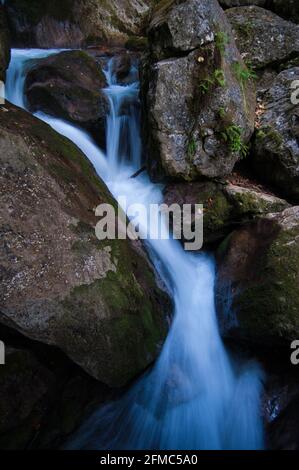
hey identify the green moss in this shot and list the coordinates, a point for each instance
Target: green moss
(271, 306)
(67, 153)
(128, 319)
(244, 29)
(243, 74)
(217, 79)
(129, 328)
(232, 135)
(270, 134)
(247, 203)
(191, 149)
(216, 212)
(221, 41)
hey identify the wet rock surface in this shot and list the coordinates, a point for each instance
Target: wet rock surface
(97, 301)
(225, 205)
(258, 271)
(70, 86)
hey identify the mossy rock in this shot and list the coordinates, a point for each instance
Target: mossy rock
(225, 205)
(258, 264)
(69, 85)
(98, 301)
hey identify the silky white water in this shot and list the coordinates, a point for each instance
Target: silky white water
(195, 396)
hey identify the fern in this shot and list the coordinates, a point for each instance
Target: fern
(233, 136)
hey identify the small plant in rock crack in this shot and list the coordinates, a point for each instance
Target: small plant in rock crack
(233, 136)
(191, 150)
(221, 41)
(221, 113)
(243, 74)
(218, 78)
(205, 85)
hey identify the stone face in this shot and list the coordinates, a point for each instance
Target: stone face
(97, 301)
(258, 270)
(264, 39)
(194, 97)
(276, 149)
(70, 85)
(74, 23)
(225, 205)
(4, 44)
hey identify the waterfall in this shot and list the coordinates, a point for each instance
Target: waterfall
(196, 396)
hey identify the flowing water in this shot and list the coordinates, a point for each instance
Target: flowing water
(196, 396)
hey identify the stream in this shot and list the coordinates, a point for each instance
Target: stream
(196, 396)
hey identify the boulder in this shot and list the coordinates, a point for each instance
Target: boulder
(97, 301)
(225, 205)
(288, 9)
(258, 269)
(70, 85)
(264, 39)
(4, 44)
(198, 108)
(276, 148)
(75, 23)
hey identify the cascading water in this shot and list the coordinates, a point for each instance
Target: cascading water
(196, 396)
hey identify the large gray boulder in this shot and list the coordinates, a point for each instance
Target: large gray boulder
(97, 301)
(288, 9)
(225, 205)
(199, 110)
(4, 44)
(73, 23)
(264, 39)
(258, 269)
(70, 85)
(276, 148)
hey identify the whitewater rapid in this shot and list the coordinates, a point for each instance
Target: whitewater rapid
(196, 396)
